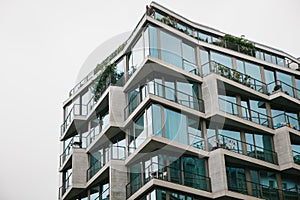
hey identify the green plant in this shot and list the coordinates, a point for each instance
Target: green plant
(236, 75)
(109, 75)
(239, 44)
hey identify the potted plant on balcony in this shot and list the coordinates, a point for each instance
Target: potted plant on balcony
(277, 88)
(236, 76)
(246, 80)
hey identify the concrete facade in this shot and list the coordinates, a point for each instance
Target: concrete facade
(163, 129)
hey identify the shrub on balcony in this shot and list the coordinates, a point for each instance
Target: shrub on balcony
(109, 76)
(239, 44)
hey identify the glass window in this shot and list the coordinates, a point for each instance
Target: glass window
(171, 49)
(240, 66)
(170, 90)
(253, 71)
(286, 83)
(175, 169)
(270, 80)
(298, 87)
(133, 100)
(175, 126)
(189, 58)
(204, 58)
(280, 61)
(140, 134)
(228, 104)
(204, 37)
(222, 59)
(267, 57)
(236, 179)
(94, 193)
(157, 120)
(137, 55)
(194, 133)
(153, 45)
(194, 170)
(258, 113)
(188, 94)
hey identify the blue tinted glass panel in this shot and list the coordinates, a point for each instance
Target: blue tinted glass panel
(171, 49)
(176, 126)
(222, 59)
(153, 43)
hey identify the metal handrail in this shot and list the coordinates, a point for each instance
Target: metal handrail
(162, 172)
(192, 102)
(237, 146)
(100, 196)
(232, 74)
(280, 85)
(82, 112)
(286, 122)
(209, 38)
(266, 118)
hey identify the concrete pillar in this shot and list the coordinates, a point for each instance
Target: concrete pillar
(79, 167)
(210, 94)
(217, 171)
(118, 180)
(116, 105)
(282, 144)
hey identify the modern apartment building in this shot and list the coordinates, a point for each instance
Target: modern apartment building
(183, 111)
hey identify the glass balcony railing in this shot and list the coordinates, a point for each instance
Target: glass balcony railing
(76, 110)
(285, 120)
(234, 145)
(66, 185)
(296, 157)
(244, 46)
(114, 153)
(165, 92)
(244, 79)
(291, 193)
(280, 86)
(257, 190)
(196, 141)
(75, 141)
(104, 195)
(170, 174)
(232, 108)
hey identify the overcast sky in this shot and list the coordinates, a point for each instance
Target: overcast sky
(43, 45)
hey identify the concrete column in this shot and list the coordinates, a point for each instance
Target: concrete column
(116, 105)
(210, 94)
(282, 144)
(80, 166)
(217, 171)
(118, 180)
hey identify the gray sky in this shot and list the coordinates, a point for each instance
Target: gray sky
(43, 45)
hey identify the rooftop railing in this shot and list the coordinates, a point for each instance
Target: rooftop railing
(170, 174)
(165, 92)
(232, 108)
(285, 120)
(76, 110)
(232, 74)
(234, 145)
(248, 48)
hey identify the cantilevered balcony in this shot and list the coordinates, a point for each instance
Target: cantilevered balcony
(64, 157)
(165, 92)
(74, 119)
(234, 75)
(168, 174)
(285, 120)
(238, 146)
(254, 189)
(248, 114)
(114, 153)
